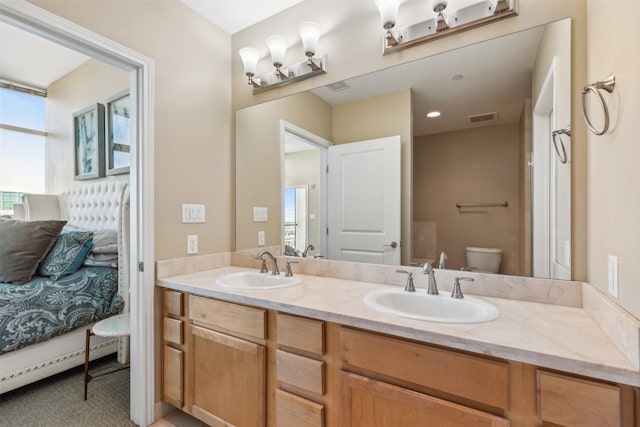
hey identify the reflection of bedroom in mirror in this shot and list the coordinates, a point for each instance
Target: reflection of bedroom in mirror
(499, 100)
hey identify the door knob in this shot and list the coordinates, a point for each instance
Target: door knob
(392, 245)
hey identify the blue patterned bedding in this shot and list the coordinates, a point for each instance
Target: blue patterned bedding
(44, 308)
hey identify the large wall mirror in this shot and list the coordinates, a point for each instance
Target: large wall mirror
(484, 181)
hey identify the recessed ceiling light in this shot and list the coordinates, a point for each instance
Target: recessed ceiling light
(433, 114)
(457, 77)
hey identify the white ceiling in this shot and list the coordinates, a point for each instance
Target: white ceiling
(30, 59)
(236, 15)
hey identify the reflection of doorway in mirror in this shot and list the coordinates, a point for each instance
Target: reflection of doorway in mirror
(304, 191)
(551, 188)
(295, 220)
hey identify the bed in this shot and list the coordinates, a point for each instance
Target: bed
(89, 294)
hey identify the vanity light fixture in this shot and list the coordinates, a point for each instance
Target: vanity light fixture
(310, 35)
(447, 20)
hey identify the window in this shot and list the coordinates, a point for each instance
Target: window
(22, 146)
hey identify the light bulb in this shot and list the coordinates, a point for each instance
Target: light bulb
(310, 34)
(388, 12)
(250, 59)
(278, 47)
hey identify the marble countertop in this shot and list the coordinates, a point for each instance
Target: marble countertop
(546, 335)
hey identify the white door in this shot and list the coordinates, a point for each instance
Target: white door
(364, 201)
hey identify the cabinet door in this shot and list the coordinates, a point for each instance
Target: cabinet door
(228, 380)
(172, 378)
(370, 403)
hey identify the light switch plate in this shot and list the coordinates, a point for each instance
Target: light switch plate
(192, 214)
(260, 214)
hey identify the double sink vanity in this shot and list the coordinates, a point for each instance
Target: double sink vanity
(343, 344)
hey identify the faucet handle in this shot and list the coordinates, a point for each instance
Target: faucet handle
(409, 286)
(263, 267)
(457, 292)
(289, 273)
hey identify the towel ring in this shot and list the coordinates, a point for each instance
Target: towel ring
(608, 85)
(556, 135)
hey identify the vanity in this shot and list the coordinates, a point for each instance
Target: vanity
(314, 354)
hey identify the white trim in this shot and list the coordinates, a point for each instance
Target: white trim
(323, 145)
(35, 20)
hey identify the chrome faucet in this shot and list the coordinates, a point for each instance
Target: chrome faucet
(457, 292)
(272, 260)
(409, 286)
(432, 288)
(306, 250)
(443, 259)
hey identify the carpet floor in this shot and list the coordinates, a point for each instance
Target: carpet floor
(58, 401)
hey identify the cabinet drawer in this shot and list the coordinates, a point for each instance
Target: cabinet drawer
(475, 378)
(301, 372)
(300, 333)
(367, 402)
(172, 375)
(565, 400)
(173, 303)
(173, 331)
(236, 318)
(294, 411)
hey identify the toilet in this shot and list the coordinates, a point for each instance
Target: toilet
(483, 260)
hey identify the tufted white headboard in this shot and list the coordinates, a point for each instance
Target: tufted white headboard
(94, 206)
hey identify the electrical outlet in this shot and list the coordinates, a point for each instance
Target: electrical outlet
(192, 244)
(260, 238)
(612, 275)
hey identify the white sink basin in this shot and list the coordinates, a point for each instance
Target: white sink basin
(434, 308)
(254, 280)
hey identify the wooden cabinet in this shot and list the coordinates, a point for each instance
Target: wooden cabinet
(173, 348)
(370, 403)
(374, 400)
(569, 401)
(300, 372)
(228, 369)
(233, 365)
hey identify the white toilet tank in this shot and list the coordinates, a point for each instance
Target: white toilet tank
(483, 260)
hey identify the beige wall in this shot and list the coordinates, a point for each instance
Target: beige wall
(378, 117)
(192, 102)
(258, 175)
(470, 166)
(303, 169)
(614, 174)
(91, 83)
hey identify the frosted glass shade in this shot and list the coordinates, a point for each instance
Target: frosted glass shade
(278, 47)
(310, 34)
(388, 11)
(250, 59)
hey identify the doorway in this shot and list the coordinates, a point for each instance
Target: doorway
(32, 19)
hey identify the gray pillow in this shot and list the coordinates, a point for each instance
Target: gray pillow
(23, 244)
(67, 255)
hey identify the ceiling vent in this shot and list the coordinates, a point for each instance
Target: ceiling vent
(486, 117)
(338, 86)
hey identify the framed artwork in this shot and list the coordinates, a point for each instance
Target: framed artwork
(88, 129)
(118, 144)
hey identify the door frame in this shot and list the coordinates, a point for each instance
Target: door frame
(47, 25)
(322, 144)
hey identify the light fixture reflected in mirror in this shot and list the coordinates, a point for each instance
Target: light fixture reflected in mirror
(310, 35)
(447, 21)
